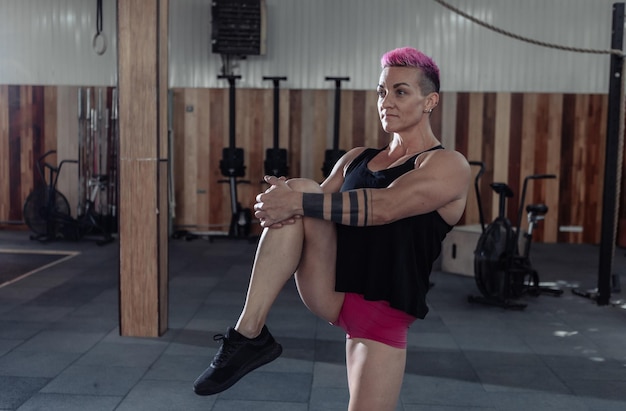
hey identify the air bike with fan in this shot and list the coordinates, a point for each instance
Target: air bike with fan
(502, 274)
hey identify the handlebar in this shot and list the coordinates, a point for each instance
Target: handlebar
(482, 168)
(477, 163)
(540, 176)
(54, 171)
(46, 155)
(523, 198)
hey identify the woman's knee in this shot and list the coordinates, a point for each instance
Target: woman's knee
(304, 185)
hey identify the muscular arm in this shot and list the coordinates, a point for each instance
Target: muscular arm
(440, 183)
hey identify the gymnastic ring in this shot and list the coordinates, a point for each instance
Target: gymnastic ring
(94, 43)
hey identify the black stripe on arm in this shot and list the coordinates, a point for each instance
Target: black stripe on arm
(354, 208)
(365, 208)
(313, 205)
(336, 207)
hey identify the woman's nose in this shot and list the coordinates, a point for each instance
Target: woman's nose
(386, 101)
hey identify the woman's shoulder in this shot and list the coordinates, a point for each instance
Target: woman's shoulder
(449, 156)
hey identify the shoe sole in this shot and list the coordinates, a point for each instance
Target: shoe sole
(265, 358)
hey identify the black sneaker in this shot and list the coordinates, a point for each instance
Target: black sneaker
(236, 357)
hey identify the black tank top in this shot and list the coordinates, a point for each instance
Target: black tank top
(390, 262)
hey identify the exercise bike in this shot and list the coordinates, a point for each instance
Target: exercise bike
(47, 212)
(502, 274)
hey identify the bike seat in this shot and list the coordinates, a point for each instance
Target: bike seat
(537, 209)
(502, 188)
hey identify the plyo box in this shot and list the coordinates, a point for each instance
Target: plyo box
(457, 252)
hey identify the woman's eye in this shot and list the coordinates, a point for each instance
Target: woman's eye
(381, 93)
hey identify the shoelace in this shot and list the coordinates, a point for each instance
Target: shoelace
(226, 350)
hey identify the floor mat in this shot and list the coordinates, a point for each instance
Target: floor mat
(18, 264)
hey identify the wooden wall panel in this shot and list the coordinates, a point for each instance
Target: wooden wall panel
(295, 145)
(358, 118)
(462, 125)
(446, 117)
(595, 150)
(28, 151)
(475, 126)
(487, 149)
(266, 101)
(219, 212)
(581, 162)
(552, 164)
(499, 158)
(62, 120)
(488, 154)
(474, 144)
(518, 122)
(34, 128)
(515, 134)
(458, 129)
(200, 152)
(347, 136)
(527, 153)
(532, 156)
(51, 110)
(567, 169)
(321, 138)
(24, 142)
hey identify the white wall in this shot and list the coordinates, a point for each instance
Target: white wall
(49, 42)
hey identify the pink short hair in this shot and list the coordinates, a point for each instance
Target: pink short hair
(410, 57)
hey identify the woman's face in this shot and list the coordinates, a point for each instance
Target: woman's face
(401, 104)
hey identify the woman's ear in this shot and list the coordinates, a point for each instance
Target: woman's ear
(432, 100)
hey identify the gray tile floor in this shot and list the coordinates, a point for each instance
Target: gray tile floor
(60, 348)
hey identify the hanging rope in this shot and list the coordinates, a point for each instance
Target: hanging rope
(99, 42)
(526, 39)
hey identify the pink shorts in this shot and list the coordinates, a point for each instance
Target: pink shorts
(374, 320)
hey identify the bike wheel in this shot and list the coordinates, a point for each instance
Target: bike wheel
(41, 209)
(492, 258)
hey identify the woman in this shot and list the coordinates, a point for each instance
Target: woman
(361, 244)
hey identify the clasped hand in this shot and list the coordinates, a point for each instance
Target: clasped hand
(275, 207)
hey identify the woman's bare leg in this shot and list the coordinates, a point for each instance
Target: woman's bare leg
(309, 247)
(306, 248)
(375, 374)
(276, 259)
(315, 277)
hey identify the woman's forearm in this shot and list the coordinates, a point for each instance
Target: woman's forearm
(352, 207)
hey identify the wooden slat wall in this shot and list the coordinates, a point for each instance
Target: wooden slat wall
(34, 120)
(23, 138)
(62, 123)
(515, 134)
